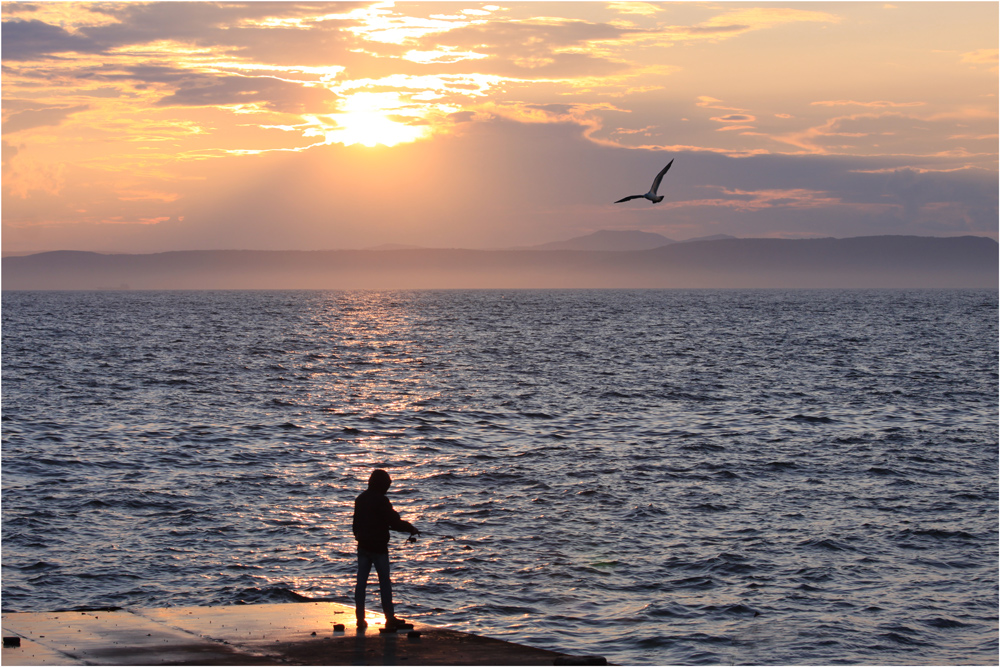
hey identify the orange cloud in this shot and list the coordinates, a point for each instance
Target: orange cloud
(41, 116)
(23, 176)
(638, 8)
(877, 104)
(894, 133)
(982, 57)
(138, 221)
(712, 103)
(742, 20)
(147, 195)
(761, 199)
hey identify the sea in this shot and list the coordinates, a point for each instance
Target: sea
(687, 477)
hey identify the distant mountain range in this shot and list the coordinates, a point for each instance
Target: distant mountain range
(869, 261)
(619, 241)
(395, 246)
(605, 239)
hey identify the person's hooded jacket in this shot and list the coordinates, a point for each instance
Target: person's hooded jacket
(374, 516)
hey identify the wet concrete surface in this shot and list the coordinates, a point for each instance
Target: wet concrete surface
(269, 634)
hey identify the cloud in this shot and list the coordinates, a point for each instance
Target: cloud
(26, 120)
(734, 118)
(712, 103)
(582, 116)
(147, 195)
(894, 132)
(982, 57)
(739, 21)
(201, 23)
(876, 104)
(33, 39)
(711, 30)
(786, 194)
(25, 178)
(754, 200)
(757, 18)
(638, 8)
(536, 49)
(526, 37)
(10, 151)
(272, 93)
(253, 30)
(462, 116)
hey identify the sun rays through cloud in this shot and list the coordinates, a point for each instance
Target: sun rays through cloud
(371, 119)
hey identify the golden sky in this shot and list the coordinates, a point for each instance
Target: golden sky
(143, 127)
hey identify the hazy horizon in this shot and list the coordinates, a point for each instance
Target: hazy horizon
(391, 246)
(863, 262)
(151, 127)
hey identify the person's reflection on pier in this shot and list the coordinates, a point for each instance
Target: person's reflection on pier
(373, 518)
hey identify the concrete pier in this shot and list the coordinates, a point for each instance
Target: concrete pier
(267, 634)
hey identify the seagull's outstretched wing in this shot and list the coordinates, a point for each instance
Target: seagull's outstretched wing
(630, 197)
(659, 177)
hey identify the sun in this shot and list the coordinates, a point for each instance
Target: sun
(370, 119)
(371, 128)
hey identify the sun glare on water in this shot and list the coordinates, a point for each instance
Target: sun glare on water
(369, 119)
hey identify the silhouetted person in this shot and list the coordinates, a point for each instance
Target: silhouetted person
(373, 518)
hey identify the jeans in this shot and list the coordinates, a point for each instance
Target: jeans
(381, 562)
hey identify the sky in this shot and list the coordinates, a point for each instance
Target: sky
(149, 127)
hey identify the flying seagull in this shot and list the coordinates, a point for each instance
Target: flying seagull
(651, 195)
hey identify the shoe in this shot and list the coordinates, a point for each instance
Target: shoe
(397, 623)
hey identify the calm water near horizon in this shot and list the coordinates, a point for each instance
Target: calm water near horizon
(655, 476)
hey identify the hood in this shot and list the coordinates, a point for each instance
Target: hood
(379, 481)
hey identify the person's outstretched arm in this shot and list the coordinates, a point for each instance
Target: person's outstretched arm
(396, 522)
